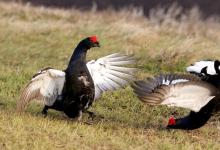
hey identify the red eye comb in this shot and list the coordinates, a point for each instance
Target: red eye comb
(172, 121)
(93, 39)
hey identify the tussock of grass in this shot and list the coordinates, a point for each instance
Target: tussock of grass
(35, 37)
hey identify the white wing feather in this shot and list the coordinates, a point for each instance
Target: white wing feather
(186, 91)
(198, 66)
(108, 74)
(190, 96)
(44, 87)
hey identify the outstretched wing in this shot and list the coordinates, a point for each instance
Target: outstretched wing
(109, 74)
(45, 86)
(205, 67)
(186, 91)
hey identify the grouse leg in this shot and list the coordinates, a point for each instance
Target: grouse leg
(92, 115)
(80, 116)
(44, 111)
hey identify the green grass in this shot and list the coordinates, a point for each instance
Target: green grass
(33, 38)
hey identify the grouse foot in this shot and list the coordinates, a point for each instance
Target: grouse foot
(92, 115)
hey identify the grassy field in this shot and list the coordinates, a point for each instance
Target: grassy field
(33, 38)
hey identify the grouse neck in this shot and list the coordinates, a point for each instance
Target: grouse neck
(79, 53)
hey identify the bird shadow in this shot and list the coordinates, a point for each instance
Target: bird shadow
(109, 121)
(99, 119)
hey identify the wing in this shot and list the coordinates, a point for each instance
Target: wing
(186, 91)
(45, 86)
(205, 67)
(109, 74)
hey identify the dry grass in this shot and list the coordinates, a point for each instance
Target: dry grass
(32, 38)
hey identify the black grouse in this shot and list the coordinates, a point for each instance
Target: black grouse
(74, 89)
(198, 91)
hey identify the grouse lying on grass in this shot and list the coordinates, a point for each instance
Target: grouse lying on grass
(74, 89)
(198, 93)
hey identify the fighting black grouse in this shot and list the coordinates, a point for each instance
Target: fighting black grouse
(74, 89)
(198, 91)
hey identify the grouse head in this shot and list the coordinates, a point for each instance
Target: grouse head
(171, 122)
(89, 42)
(82, 48)
(181, 123)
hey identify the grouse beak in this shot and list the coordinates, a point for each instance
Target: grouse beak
(96, 44)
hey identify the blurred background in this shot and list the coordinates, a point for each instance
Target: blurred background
(207, 7)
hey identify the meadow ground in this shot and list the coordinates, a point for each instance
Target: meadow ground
(33, 38)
